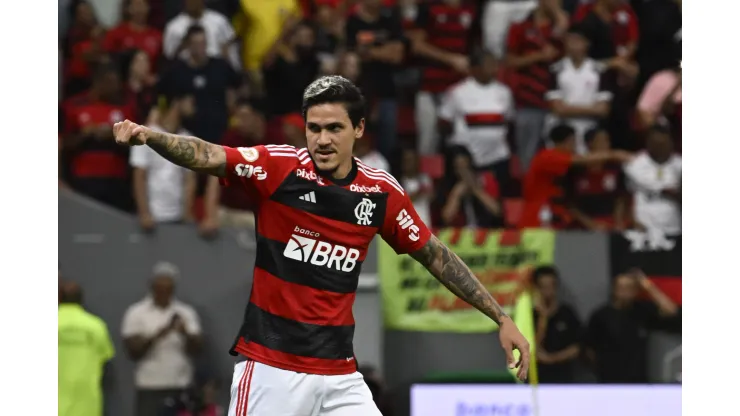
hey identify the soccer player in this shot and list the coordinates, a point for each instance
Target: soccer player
(318, 210)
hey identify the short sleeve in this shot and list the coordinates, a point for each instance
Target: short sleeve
(656, 90)
(140, 157)
(556, 163)
(257, 168)
(132, 324)
(402, 228)
(106, 344)
(449, 108)
(191, 320)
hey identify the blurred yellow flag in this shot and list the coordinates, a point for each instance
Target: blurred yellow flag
(524, 320)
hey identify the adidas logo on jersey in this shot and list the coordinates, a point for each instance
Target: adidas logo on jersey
(309, 197)
(321, 253)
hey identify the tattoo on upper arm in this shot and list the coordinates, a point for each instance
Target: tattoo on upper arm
(190, 152)
(450, 270)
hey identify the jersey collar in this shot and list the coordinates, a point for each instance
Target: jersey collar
(340, 182)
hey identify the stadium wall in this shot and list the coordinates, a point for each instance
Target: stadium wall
(104, 251)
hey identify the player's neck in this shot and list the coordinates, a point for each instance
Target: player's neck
(342, 171)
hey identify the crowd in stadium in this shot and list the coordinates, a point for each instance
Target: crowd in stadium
(499, 113)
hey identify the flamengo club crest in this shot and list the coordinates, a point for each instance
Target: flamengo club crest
(364, 211)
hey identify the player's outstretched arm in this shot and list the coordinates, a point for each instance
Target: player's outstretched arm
(189, 152)
(450, 270)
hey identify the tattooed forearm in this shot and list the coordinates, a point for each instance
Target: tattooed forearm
(450, 270)
(190, 152)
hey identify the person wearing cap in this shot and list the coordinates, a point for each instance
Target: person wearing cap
(84, 349)
(161, 334)
(163, 191)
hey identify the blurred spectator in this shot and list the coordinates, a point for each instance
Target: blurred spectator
(163, 191)
(558, 330)
(289, 66)
(259, 24)
(84, 348)
(417, 184)
(140, 83)
(580, 93)
(532, 45)
(544, 198)
(479, 110)
(294, 130)
(612, 28)
(218, 34)
(498, 16)
(160, 334)
(97, 166)
(211, 80)
(329, 31)
(368, 155)
(135, 33)
(660, 35)
(84, 49)
(374, 33)
(596, 194)
(349, 66)
(441, 39)
(617, 335)
(470, 198)
(201, 400)
(660, 101)
(655, 178)
(231, 206)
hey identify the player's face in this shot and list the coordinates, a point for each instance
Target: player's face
(138, 10)
(330, 135)
(162, 289)
(576, 45)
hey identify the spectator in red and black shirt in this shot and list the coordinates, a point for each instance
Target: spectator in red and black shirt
(135, 33)
(470, 198)
(442, 40)
(532, 46)
(140, 83)
(97, 166)
(232, 206)
(83, 49)
(596, 194)
(544, 191)
(612, 28)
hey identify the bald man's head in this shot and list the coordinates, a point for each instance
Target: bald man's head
(71, 292)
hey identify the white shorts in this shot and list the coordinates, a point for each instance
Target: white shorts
(261, 390)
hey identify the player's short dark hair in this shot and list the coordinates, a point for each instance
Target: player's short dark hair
(561, 133)
(543, 271)
(194, 30)
(335, 89)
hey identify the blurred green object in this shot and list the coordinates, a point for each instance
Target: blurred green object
(473, 377)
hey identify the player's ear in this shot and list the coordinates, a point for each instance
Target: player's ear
(360, 128)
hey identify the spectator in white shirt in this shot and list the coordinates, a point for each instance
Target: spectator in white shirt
(220, 36)
(161, 334)
(655, 178)
(163, 191)
(477, 112)
(417, 184)
(364, 151)
(580, 95)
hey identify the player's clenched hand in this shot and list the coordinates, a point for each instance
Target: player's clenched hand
(130, 134)
(511, 339)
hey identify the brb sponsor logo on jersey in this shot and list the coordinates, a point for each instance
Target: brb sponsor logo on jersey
(305, 247)
(247, 171)
(406, 222)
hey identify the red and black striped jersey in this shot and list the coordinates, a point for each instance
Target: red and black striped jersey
(313, 233)
(449, 29)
